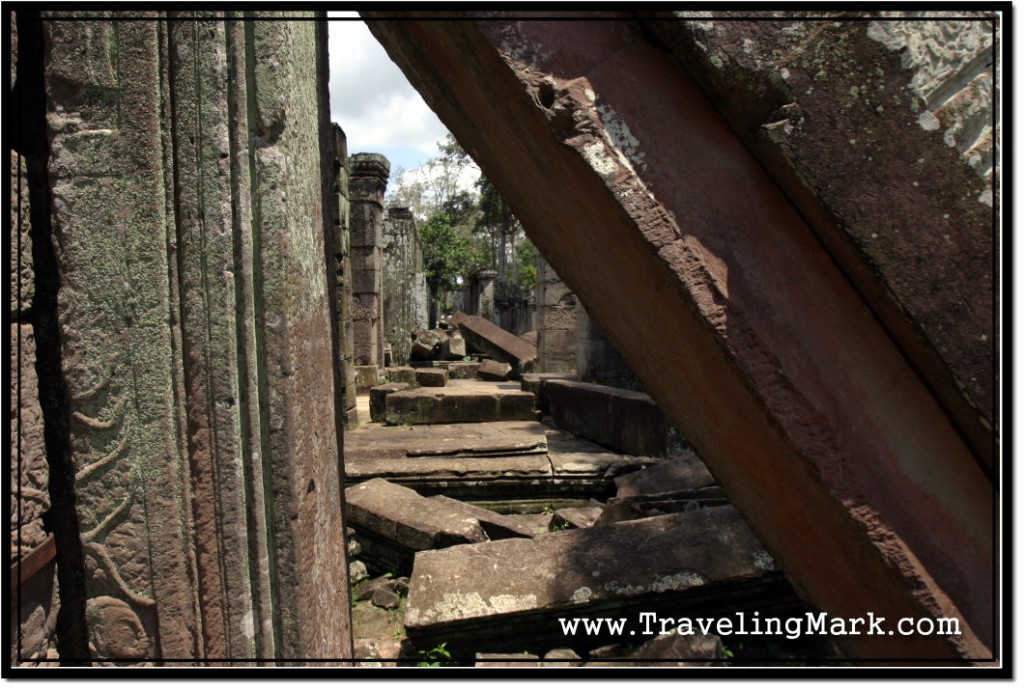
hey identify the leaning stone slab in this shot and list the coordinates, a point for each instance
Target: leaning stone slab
(431, 376)
(425, 407)
(378, 398)
(487, 337)
(703, 561)
(681, 472)
(627, 421)
(404, 522)
(497, 526)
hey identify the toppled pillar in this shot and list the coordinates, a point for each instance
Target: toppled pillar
(486, 337)
(189, 168)
(735, 317)
(405, 291)
(366, 186)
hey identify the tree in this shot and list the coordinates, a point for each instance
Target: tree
(499, 224)
(447, 257)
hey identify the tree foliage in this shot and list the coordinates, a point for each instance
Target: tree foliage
(447, 255)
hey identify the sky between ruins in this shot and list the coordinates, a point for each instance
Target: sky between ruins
(373, 102)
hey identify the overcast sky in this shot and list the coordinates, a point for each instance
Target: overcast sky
(377, 108)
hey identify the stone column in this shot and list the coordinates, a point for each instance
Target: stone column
(486, 299)
(187, 168)
(343, 273)
(557, 308)
(368, 182)
(404, 284)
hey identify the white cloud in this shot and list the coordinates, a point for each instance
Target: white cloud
(373, 102)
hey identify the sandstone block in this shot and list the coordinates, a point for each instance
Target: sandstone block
(400, 519)
(534, 383)
(463, 370)
(682, 472)
(530, 337)
(426, 344)
(487, 337)
(455, 348)
(425, 407)
(575, 517)
(491, 370)
(378, 398)
(431, 376)
(496, 525)
(367, 377)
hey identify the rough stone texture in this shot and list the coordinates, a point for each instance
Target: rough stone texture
(556, 321)
(597, 360)
(406, 296)
(534, 383)
(455, 347)
(574, 517)
(425, 344)
(463, 370)
(22, 277)
(431, 376)
(491, 370)
(457, 593)
(367, 377)
(905, 108)
(795, 395)
(627, 421)
(673, 650)
(188, 172)
(339, 244)
(402, 519)
(679, 473)
(367, 182)
(497, 526)
(426, 407)
(405, 375)
(491, 339)
(646, 505)
(378, 398)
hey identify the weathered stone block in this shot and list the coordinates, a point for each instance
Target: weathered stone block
(534, 383)
(367, 377)
(455, 347)
(426, 343)
(406, 375)
(496, 525)
(530, 337)
(403, 520)
(29, 468)
(378, 398)
(22, 276)
(425, 407)
(491, 370)
(681, 472)
(644, 505)
(456, 594)
(463, 370)
(431, 376)
(624, 420)
(573, 518)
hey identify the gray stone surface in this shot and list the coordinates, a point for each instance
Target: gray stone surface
(486, 337)
(492, 370)
(463, 370)
(429, 407)
(379, 396)
(684, 471)
(459, 592)
(405, 520)
(496, 525)
(431, 376)
(404, 282)
(575, 517)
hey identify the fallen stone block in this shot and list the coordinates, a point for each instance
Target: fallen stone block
(644, 506)
(381, 652)
(627, 421)
(357, 572)
(378, 398)
(530, 337)
(463, 370)
(573, 518)
(704, 561)
(491, 370)
(681, 472)
(385, 598)
(431, 376)
(426, 343)
(367, 377)
(394, 523)
(426, 407)
(404, 375)
(534, 383)
(486, 337)
(562, 657)
(454, 348)
(497, 526)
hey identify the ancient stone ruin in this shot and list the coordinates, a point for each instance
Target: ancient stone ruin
(761, 383)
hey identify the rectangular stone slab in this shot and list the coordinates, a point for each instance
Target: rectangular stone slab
(683, 472)
(488, 337)
(501, 588)
(497, 526)
(427, 407)
(405, 521)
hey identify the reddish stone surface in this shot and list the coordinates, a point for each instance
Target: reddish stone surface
(488, 337)
(733, 315)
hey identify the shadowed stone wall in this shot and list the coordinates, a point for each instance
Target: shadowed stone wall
(340, 207)
(198, 436)
(369, 179)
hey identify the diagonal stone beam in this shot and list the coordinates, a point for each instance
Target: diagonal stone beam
(732, 314)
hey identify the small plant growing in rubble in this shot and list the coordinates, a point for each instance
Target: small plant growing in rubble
(438, 656)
